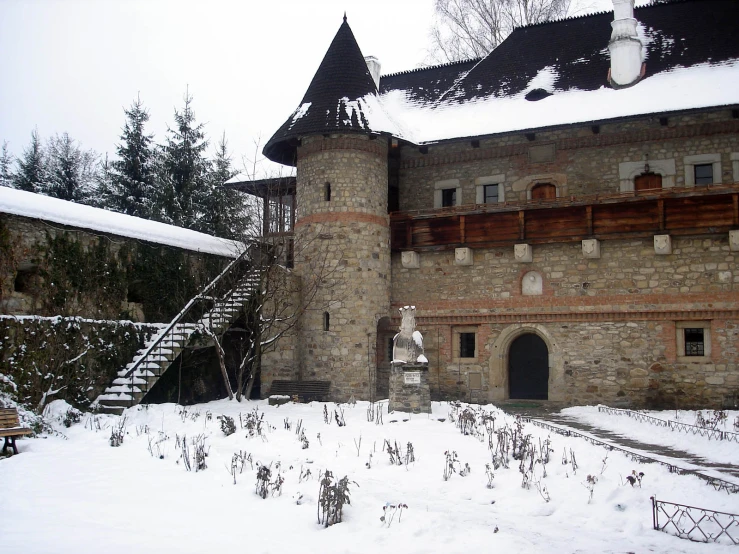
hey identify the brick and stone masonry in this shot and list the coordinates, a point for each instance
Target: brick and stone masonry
(342, 256)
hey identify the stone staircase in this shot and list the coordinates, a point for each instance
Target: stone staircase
(163, 348)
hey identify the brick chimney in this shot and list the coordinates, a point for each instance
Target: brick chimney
(373, 64)
(625, 47)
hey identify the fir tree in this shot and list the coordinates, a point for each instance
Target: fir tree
(223, 208)
(31, 168)
(6, 161)
(183, 171)
(71, 171)
(131, 187)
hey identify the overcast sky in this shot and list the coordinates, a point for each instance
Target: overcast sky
(73, 65)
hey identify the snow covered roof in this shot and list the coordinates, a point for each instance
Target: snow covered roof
(342, 97)
(37, 206)
(544, 75)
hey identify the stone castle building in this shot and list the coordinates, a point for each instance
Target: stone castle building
(563, 214)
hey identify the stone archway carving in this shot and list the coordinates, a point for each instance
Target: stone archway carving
(498, 367)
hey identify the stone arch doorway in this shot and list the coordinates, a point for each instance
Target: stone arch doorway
(384, 349)
(528, 368)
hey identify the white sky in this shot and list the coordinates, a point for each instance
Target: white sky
(73, 65)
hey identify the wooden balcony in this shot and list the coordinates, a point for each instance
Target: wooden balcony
(676, 211)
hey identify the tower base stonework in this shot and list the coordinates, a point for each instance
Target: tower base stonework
(409, 388)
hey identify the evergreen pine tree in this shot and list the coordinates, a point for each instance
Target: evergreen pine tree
(224, 209)
(71, 171)
(31, 166)
(182, 171)
(6, 161)
(131, 188)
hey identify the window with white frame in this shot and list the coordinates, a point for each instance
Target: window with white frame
(489, 189)
(447, 193)
(693, 340)
(702, 169)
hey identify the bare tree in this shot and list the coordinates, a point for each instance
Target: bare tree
(280, 297)
(467, 29)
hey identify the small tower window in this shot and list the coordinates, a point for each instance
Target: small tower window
(327, 192)
(326, 321)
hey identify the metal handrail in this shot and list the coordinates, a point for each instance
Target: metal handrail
(674, 425)
(178, 318)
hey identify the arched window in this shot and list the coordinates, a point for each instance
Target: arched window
(543, 191)
(647, 182)
(326, 321)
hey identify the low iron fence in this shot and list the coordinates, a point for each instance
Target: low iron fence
(715, 434)
(715, 482)
(696, 524)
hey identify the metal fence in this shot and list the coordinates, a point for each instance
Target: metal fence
(715, 482)
(696, 524)
(707, 432)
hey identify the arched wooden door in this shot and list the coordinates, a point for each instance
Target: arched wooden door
(528, 368)
(544, 191)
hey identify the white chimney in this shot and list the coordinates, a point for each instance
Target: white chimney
(625, 46)
(373, 64)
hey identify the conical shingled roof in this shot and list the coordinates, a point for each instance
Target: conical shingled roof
(329, 104)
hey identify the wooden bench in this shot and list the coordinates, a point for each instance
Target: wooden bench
(10, 428)
(306, 391)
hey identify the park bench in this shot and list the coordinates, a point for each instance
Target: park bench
(10, 428)
(305, 391)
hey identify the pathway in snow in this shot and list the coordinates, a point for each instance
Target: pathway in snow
(676, 456)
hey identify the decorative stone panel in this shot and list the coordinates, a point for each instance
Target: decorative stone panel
(734, 241)
(591, 248)
(410, 260)
(662, 245)
(463, 256)
(532, 284)
(523, 253)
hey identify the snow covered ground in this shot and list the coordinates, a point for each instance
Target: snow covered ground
(72, 492)
(710, 450)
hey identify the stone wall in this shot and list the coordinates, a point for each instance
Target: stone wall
(342, 258)
(49, 269)
(576, 159)
(610, 324)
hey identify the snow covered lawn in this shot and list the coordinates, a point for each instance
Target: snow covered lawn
(74, 493)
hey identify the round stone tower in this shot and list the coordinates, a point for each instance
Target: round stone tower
(342, 236)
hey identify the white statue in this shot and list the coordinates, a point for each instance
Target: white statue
(408, 343)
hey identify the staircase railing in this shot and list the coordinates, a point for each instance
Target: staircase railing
(159, 345)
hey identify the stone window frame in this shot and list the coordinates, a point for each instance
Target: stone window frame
(700, 159)
(558, 180)
(457, 332)
(440, 186)
(482, 182)
(628, 171)
(680, 327)
(734, 157)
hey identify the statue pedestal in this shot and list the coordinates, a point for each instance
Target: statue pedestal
(409, 388)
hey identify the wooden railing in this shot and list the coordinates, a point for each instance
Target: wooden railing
(674, 211)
